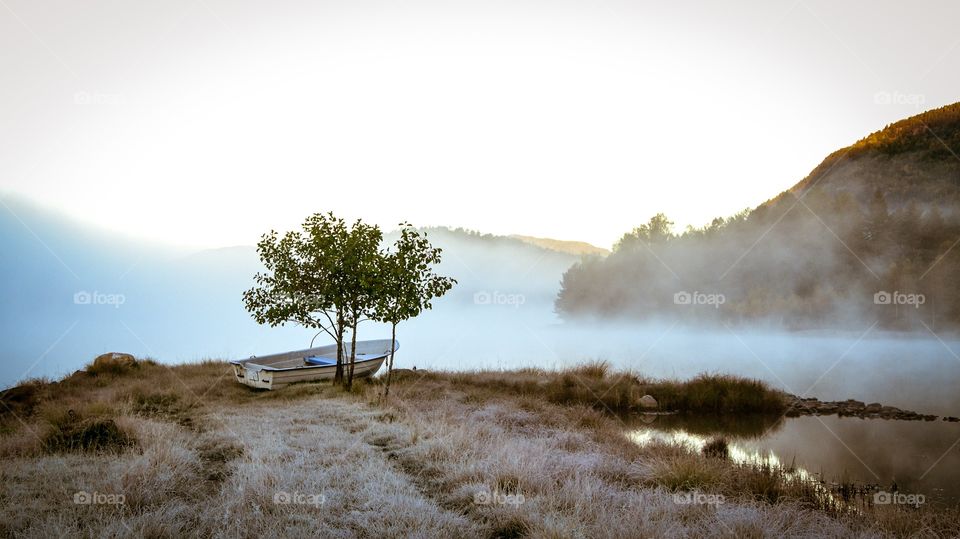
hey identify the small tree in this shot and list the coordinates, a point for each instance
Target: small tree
(309, 279)
(361, 258)
(407, 284)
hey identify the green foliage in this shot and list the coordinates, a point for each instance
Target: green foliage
(306, 281)
(406, 283)
(331, 276)
(406, 280)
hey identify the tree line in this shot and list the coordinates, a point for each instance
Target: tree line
(817, 262)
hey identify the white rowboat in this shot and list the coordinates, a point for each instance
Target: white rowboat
(311, 364)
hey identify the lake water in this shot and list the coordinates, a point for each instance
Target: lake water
(920, 457)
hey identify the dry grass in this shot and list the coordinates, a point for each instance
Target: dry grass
(451, 455)
(596, 385)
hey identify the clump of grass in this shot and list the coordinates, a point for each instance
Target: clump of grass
(686, 472)
(167, 406)
(155, 404)
(717, 448)
(87, 435)
(617, 395)
(509, 526)
(215, 456)
(717, 394)
(597, 386)
(19, 401)
(594, 369)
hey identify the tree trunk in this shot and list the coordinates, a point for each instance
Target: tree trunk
(393, 344)
(353, 354)
(338, 373)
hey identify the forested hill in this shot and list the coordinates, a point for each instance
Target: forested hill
(867, 237)
(913, 160)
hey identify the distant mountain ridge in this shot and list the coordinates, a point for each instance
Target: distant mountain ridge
(578, 248)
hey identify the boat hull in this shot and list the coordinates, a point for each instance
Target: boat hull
(280, 370)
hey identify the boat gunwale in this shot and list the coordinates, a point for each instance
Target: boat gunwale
(243, 363)
(312, 351)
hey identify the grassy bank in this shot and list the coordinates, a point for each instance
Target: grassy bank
(487, 454)
(596, 386)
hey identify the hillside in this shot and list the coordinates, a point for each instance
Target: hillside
(578, 248)
(913, 160)
(867, 237)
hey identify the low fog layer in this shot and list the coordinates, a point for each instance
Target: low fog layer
(187, 306)
(71, 293)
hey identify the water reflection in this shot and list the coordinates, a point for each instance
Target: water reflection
(737, 453)
(729, 425)
(911, 456)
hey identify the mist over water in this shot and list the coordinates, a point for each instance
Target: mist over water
(909, 371)
(179, 306)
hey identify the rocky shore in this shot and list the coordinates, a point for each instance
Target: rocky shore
(853, 408)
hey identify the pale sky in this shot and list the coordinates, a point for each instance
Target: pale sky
(208, 122)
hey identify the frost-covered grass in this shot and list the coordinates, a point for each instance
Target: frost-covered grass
(451, 455)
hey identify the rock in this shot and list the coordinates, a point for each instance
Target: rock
(806, 406)
(113, 362)
(647, 402)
